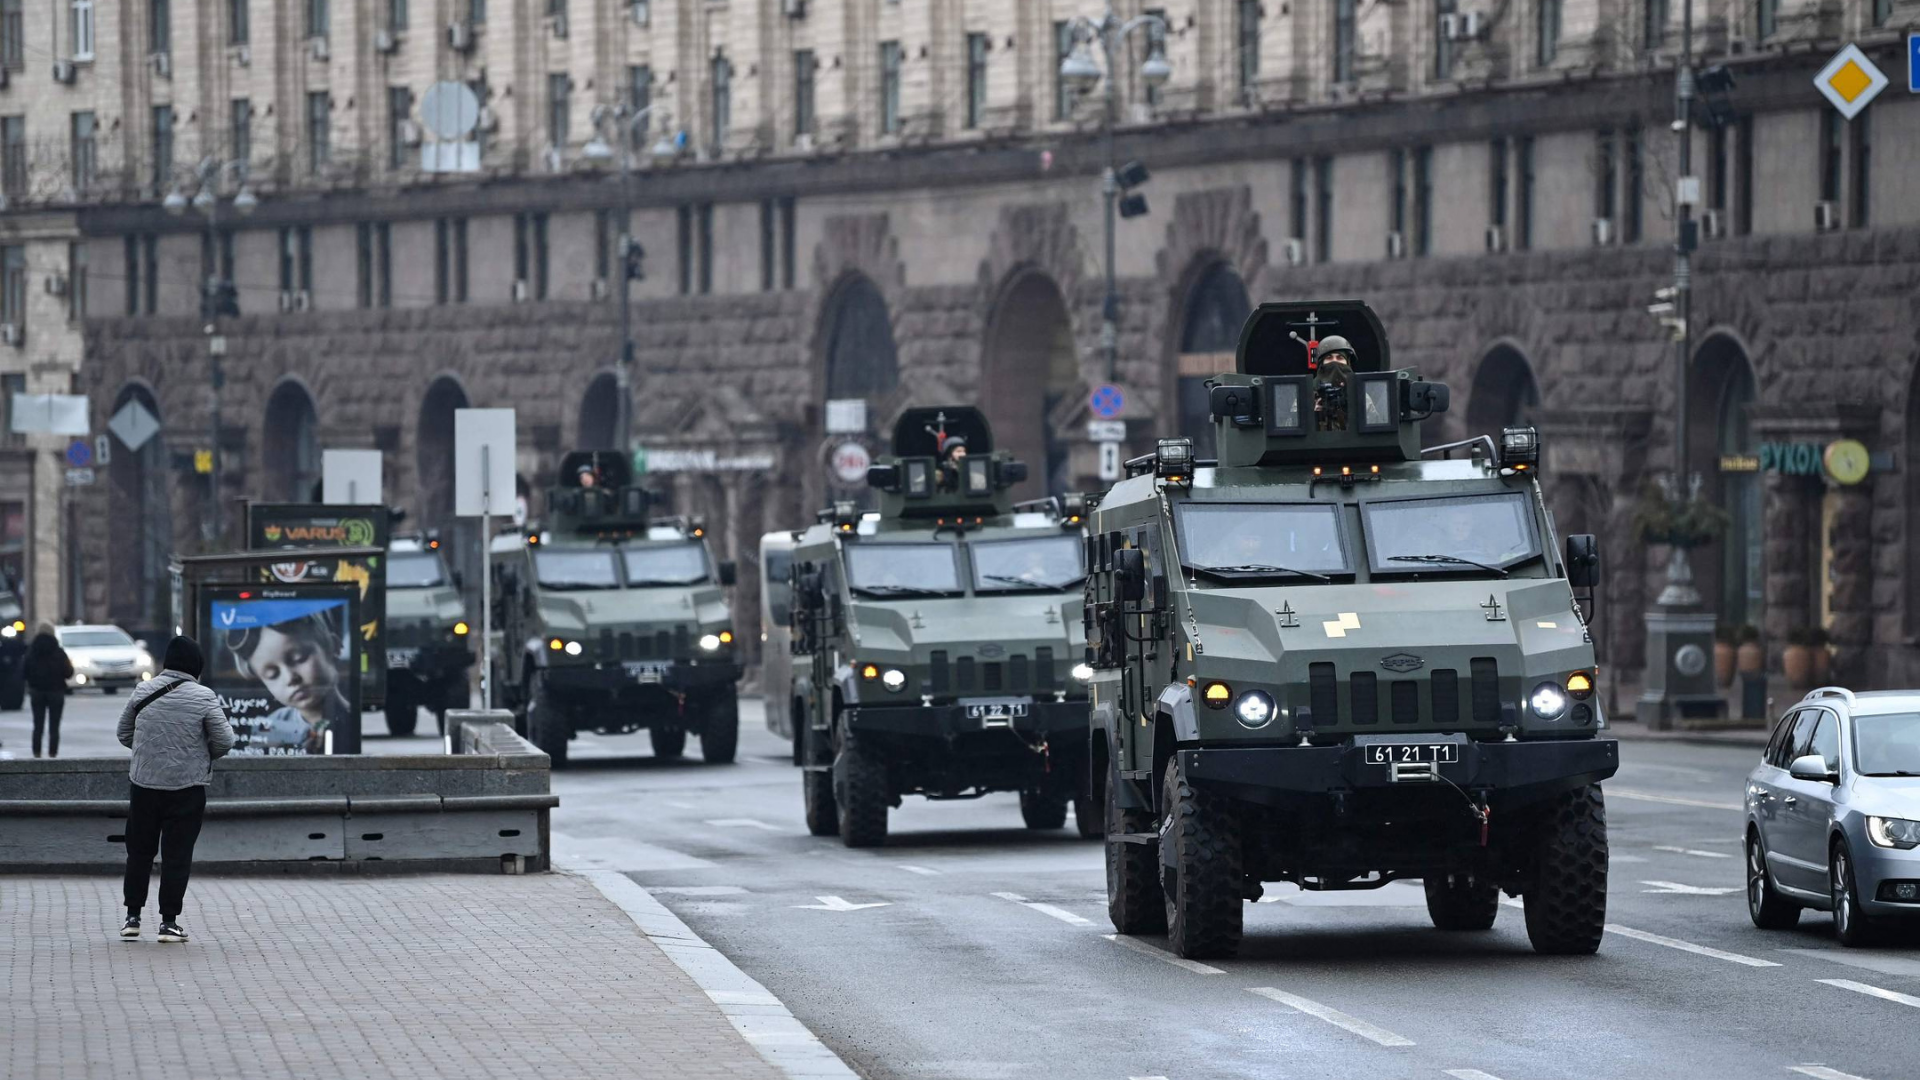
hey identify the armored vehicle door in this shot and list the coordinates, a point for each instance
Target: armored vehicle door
(1122, 619)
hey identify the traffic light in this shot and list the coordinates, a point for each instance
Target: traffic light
(636, 260)
(1125, 179)
(219, 298)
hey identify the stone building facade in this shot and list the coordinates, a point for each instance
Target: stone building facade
(898, 202)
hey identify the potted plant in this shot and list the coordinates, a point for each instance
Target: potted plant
(1796, 660)
(1819, 655)
(1750, 657)
(1662, 518)
(1724, 654)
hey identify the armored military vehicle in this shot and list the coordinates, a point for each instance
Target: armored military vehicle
(1334, 659)
(615, 619)
(429, 640)
(13, 649)
(937, 642)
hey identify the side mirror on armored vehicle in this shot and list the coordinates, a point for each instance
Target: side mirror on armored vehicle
(1425, 399)
(729, 572)
(1008, 473)
(1238, 404)
(1583, 561)
(883, 477)
(1130, 575)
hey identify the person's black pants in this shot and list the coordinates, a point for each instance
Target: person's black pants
(167, 822)
(46, 717)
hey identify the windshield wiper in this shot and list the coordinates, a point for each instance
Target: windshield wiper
(658, 583)
(901, 590)
(1893, 772)
(1446, 559)
(1261, 568)
(1028, 583)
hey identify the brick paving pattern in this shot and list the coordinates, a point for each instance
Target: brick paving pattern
(431, 976)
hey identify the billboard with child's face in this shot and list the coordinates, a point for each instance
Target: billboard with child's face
(285, 662)
(307, 525)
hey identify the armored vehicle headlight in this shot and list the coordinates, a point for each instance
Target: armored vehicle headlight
(574, 649)
(1548, 701)
(870, 672)
(1217, 695)
(726, 637)
(1083, 672)
(1254, 709)
(556, 644)
(8, 631)
(709, 642)
(460, 629)
(894, 680)
(1894, 832)
(1580, 685)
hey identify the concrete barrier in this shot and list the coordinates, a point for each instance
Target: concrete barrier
(484, 809)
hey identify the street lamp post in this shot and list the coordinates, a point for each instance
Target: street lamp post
(1081, 72)
(625, 122)
(217, 296)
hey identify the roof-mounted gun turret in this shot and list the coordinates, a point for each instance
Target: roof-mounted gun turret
(1314, 383)
(943, 465)
(596, 495)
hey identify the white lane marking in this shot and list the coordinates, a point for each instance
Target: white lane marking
(1687, 946)
(839, 903)
(1868, 960)
(922, 870)
(678, 805)
(1873, 991)
(1146, 1078)
(1821, 1072)
(1470, 1074)
(1672, 800)
(1674, 888)
(696, 890)
(1332, 1016)
(1163, 955)
(1619, 859)
(1062, 914)
(1692, 851)
(741, 823)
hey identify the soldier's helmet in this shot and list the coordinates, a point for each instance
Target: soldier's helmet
(1335, 348)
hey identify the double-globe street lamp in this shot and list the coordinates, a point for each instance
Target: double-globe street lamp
(624, 122)
(218, 296)
(1081, 72)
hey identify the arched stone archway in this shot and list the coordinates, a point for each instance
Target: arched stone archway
(290, 445)
(1720, 394)
(433, 448)
(1213, 312)
(859, 357)
(1503, 392)
(1029, 365)
(599, 414)
(139, 544)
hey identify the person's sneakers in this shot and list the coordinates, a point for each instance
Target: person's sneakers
(170, 932)
(130, 928)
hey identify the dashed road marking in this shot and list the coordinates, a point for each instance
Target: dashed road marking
(1146, 1078)
(742, 823)
(1332, 1016)
(1821, 1072)
(840, 903)
(1688, 946)
(1470, 1074)
(1873, 991)
(1163, 955)
(696, 890)
(1062, 914)
(922, 870)
(1674, 888)
(1692, 851)
(1671, 800)
(678, 805)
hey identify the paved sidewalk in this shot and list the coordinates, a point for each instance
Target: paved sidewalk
(461, 977)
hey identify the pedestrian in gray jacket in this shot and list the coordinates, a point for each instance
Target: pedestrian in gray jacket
(176, 728)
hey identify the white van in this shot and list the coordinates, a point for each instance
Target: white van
(776, 643)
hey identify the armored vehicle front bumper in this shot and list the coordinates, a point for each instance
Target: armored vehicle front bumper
(1033, 721)
(430, 662)
(972, 747)
(1505, 772)
(638, 677)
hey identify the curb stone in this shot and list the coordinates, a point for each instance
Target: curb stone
(760, 1018)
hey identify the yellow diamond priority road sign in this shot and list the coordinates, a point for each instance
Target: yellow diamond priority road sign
(1850, 81)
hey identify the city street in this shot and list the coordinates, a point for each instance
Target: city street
(972, 948)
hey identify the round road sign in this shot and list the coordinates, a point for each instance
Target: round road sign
(1107, 402)
(450, 110)
(850, 462)
(79, 453)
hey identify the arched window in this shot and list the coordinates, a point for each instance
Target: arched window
(1028, 368)
(600, 414)
(1503, 393)
(860, 357)
(290, 443)
(1720, 393)
(1215, 310)
(434, 450)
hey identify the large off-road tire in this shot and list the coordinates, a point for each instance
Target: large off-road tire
(403, 706)
(1461, 902)
(668, 742)
(816, 784)
(547, 727)
(1201, 877)
(862, 795)
(1566, 900)
(720, 728)
(1851, 925)
(1765, 906)
(1089, 820)
(1042, 811)
(1134, 902)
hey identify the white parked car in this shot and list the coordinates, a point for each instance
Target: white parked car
(106, 657)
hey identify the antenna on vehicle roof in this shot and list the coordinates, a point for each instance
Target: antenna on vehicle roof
(1313, 324)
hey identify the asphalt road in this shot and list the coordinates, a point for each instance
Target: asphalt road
(972, 948)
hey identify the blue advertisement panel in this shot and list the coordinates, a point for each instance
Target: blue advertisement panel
(285, 662)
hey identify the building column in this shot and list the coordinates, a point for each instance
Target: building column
(1851, 543)
(1792, 515)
